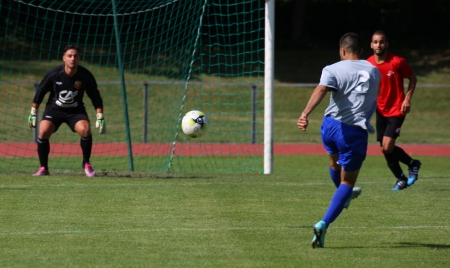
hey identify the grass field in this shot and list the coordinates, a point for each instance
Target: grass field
(212, 220)
(228, 220)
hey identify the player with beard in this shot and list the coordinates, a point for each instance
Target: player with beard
(67, 84)
(392, 107)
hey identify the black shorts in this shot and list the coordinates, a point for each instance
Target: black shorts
(59, 117)
(388, 126)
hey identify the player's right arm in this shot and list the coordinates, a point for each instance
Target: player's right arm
(44, 87)
(33, 115)
(316, 97)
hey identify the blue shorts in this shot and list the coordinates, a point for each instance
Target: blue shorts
(349, 142)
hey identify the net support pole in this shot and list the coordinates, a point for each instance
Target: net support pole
(124, 91)
(145, 127)
(36, 129)
(268, 84)
(253, 114)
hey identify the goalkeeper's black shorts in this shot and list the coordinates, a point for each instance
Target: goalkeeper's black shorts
(58, 117)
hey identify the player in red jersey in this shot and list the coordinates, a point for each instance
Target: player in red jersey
(392, 107)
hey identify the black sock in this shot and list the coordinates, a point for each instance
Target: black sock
(394, 165)
(402, 156)
(86, 148)
(43, 148)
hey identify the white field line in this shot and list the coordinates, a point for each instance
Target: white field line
(156, 230)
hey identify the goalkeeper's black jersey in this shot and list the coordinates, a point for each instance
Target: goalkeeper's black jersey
(66, 93)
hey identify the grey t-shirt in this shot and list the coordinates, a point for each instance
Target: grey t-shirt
(355, 87)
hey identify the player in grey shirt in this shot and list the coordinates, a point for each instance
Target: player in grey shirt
(354, 90)
(354, 86)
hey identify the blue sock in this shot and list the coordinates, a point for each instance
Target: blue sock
(335, 177)
(342, 194)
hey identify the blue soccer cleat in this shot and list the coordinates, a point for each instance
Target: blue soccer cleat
(414, 172)
(400, 185)
(320, 229)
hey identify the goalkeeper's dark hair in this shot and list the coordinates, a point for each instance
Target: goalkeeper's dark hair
(69, 47)
(350, 42)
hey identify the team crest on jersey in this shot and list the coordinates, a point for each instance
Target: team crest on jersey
(78, 84)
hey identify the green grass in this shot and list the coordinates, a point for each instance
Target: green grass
(212, 220)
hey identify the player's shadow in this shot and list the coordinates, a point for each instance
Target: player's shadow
(403, 245)
(421, 245)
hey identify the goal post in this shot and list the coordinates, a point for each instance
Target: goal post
(269, 73)
(153, 62)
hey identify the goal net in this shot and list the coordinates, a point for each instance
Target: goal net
(153, 62)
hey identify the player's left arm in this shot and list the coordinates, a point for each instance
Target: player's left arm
(406, 105)
(97, 101)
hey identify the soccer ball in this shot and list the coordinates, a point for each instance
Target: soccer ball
(194, 124)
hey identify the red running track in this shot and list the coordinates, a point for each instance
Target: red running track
(155, 149)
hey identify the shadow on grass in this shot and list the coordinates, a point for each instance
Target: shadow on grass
(422, 245)
(401, 245)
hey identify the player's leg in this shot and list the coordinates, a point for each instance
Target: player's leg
(400, 155)
(336, 177)
(342, 194)
(79, 122)
(351, 143)
(392, 160)
(388, 129)
(335, 170)
(46, 129)
(82, 127)
(51, 120)
(328, 138)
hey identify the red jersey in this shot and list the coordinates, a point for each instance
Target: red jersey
(392, 92)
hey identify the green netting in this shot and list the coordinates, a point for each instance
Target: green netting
(153, 62)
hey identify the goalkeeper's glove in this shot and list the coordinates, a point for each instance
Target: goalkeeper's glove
(32, 118)
(100, 123)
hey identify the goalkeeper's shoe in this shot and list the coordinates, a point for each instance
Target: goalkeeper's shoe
(90, 172)
(42, 171)
(320, 229)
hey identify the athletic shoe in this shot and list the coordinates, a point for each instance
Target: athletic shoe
(356, 191)
(42, 171)
(89, 170)
(320, 229)
(400, 185)
(414, 172)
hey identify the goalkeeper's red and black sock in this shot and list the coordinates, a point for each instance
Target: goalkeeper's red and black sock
(43, 151)
(86, 148)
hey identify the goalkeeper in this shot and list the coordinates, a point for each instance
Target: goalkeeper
(67, 84)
